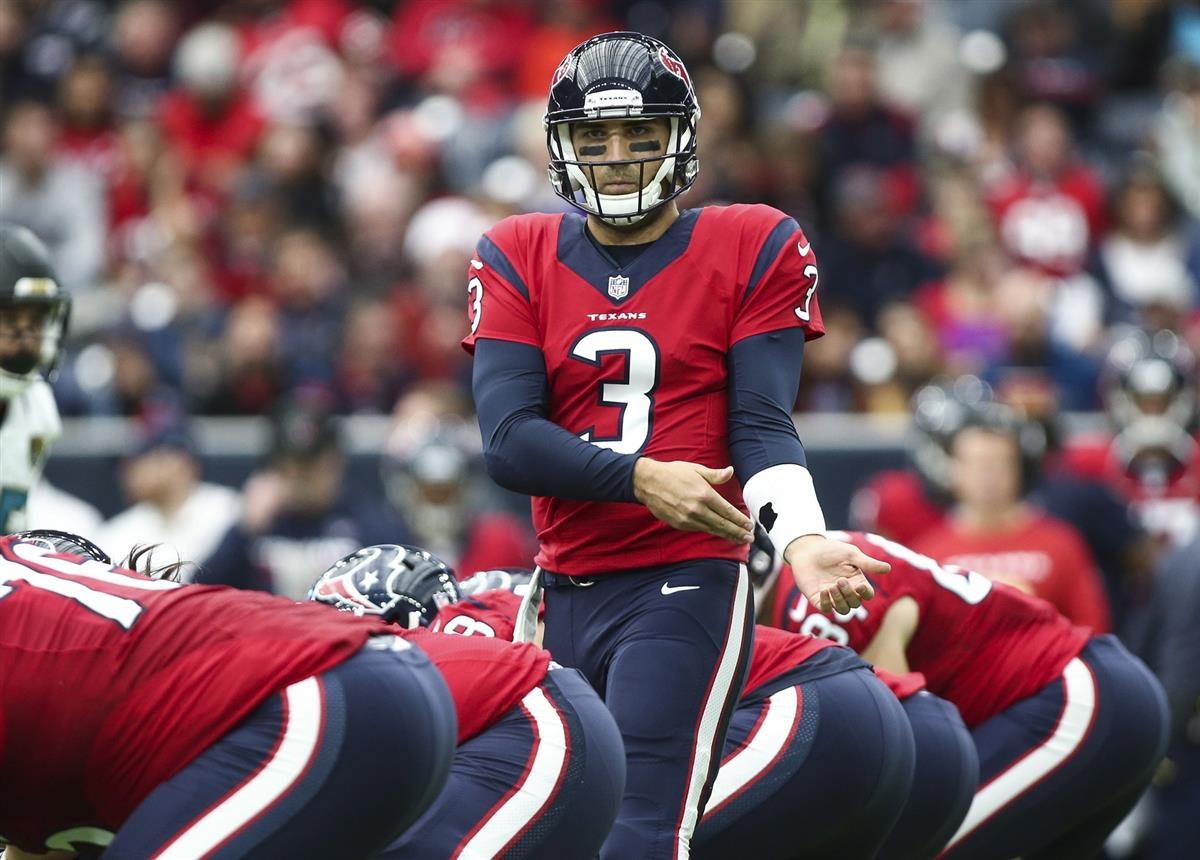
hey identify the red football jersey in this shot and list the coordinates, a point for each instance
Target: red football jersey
(979, 644)
(776, 652)
(902, 686)
(636, 356)
(1040, 555)
(110, 682)
(490, 613)
(486, 677)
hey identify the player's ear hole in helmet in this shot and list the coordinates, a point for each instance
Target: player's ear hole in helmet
(403, 585)
(34, 311)
(64, 542)
(622, 76)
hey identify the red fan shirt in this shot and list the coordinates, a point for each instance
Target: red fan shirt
(1040, 555)
(636, 355)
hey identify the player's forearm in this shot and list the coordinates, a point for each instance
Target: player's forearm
(764, 375)
(523, 450)
(529, 454)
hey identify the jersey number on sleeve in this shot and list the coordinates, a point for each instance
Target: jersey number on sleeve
(633, 395)
(969, 586)
(803, 312)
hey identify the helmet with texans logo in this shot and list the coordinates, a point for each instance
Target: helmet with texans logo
(402, 584)
(28, 282)
(1149, 383)
(64, 542)
(622, 75)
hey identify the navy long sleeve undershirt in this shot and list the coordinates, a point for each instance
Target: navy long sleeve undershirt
(527, 453)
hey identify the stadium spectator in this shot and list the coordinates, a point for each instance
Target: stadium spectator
(1143, 261)
(992, 530)
(1050, 209)
(58, 200)
(300, 513)
(212, 126)
(431, 475)
(184, 516)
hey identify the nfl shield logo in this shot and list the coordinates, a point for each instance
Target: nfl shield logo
(618, 286)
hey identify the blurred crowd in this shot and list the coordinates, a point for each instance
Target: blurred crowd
(249, 198)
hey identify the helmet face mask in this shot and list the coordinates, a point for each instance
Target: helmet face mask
(622, 76)
(34, 312)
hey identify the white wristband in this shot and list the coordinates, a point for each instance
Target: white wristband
(783, 500)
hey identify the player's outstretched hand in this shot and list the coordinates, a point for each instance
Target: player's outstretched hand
(681, 494)
(830, 573)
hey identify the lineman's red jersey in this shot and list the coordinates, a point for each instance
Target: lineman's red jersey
(979, 644)
(777, 652)
(490, 613)
(110, 682)
(636, 356)
(486, 677)
(902, 686)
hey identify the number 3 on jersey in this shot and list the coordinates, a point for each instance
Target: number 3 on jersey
(633, 394)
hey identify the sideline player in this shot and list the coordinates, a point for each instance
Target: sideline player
(813, 731)
(1069, 726)
(198, 721)
(33, 320)
(539, 770)
(629, 363)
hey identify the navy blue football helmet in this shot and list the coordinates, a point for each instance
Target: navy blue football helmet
(622, 75)
(404, 585)
(64, 542)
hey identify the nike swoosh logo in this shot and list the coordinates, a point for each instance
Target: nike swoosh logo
(804, 248)
(668, 589)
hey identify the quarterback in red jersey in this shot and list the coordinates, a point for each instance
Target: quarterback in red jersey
(1068, 726)
(629, 363)
(200, 721)
(539, 768)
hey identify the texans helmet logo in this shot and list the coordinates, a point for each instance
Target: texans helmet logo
(675, 67)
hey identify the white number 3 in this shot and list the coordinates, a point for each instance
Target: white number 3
(474, 302)
(803, 312)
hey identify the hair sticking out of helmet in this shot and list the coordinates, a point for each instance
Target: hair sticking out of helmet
(64, 542)
(622, 76)
(403, 585)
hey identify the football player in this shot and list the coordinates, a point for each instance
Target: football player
(631, 360)
(1152, 459)
(33, 320)
(157, 719)
(1068, 726)
(539, 770)
(812, 731)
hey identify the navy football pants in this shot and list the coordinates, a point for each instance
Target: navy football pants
(668, 649)
(944, 780)
(543, 783)
(1059, 769)
(814, 769)
(333, 766)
